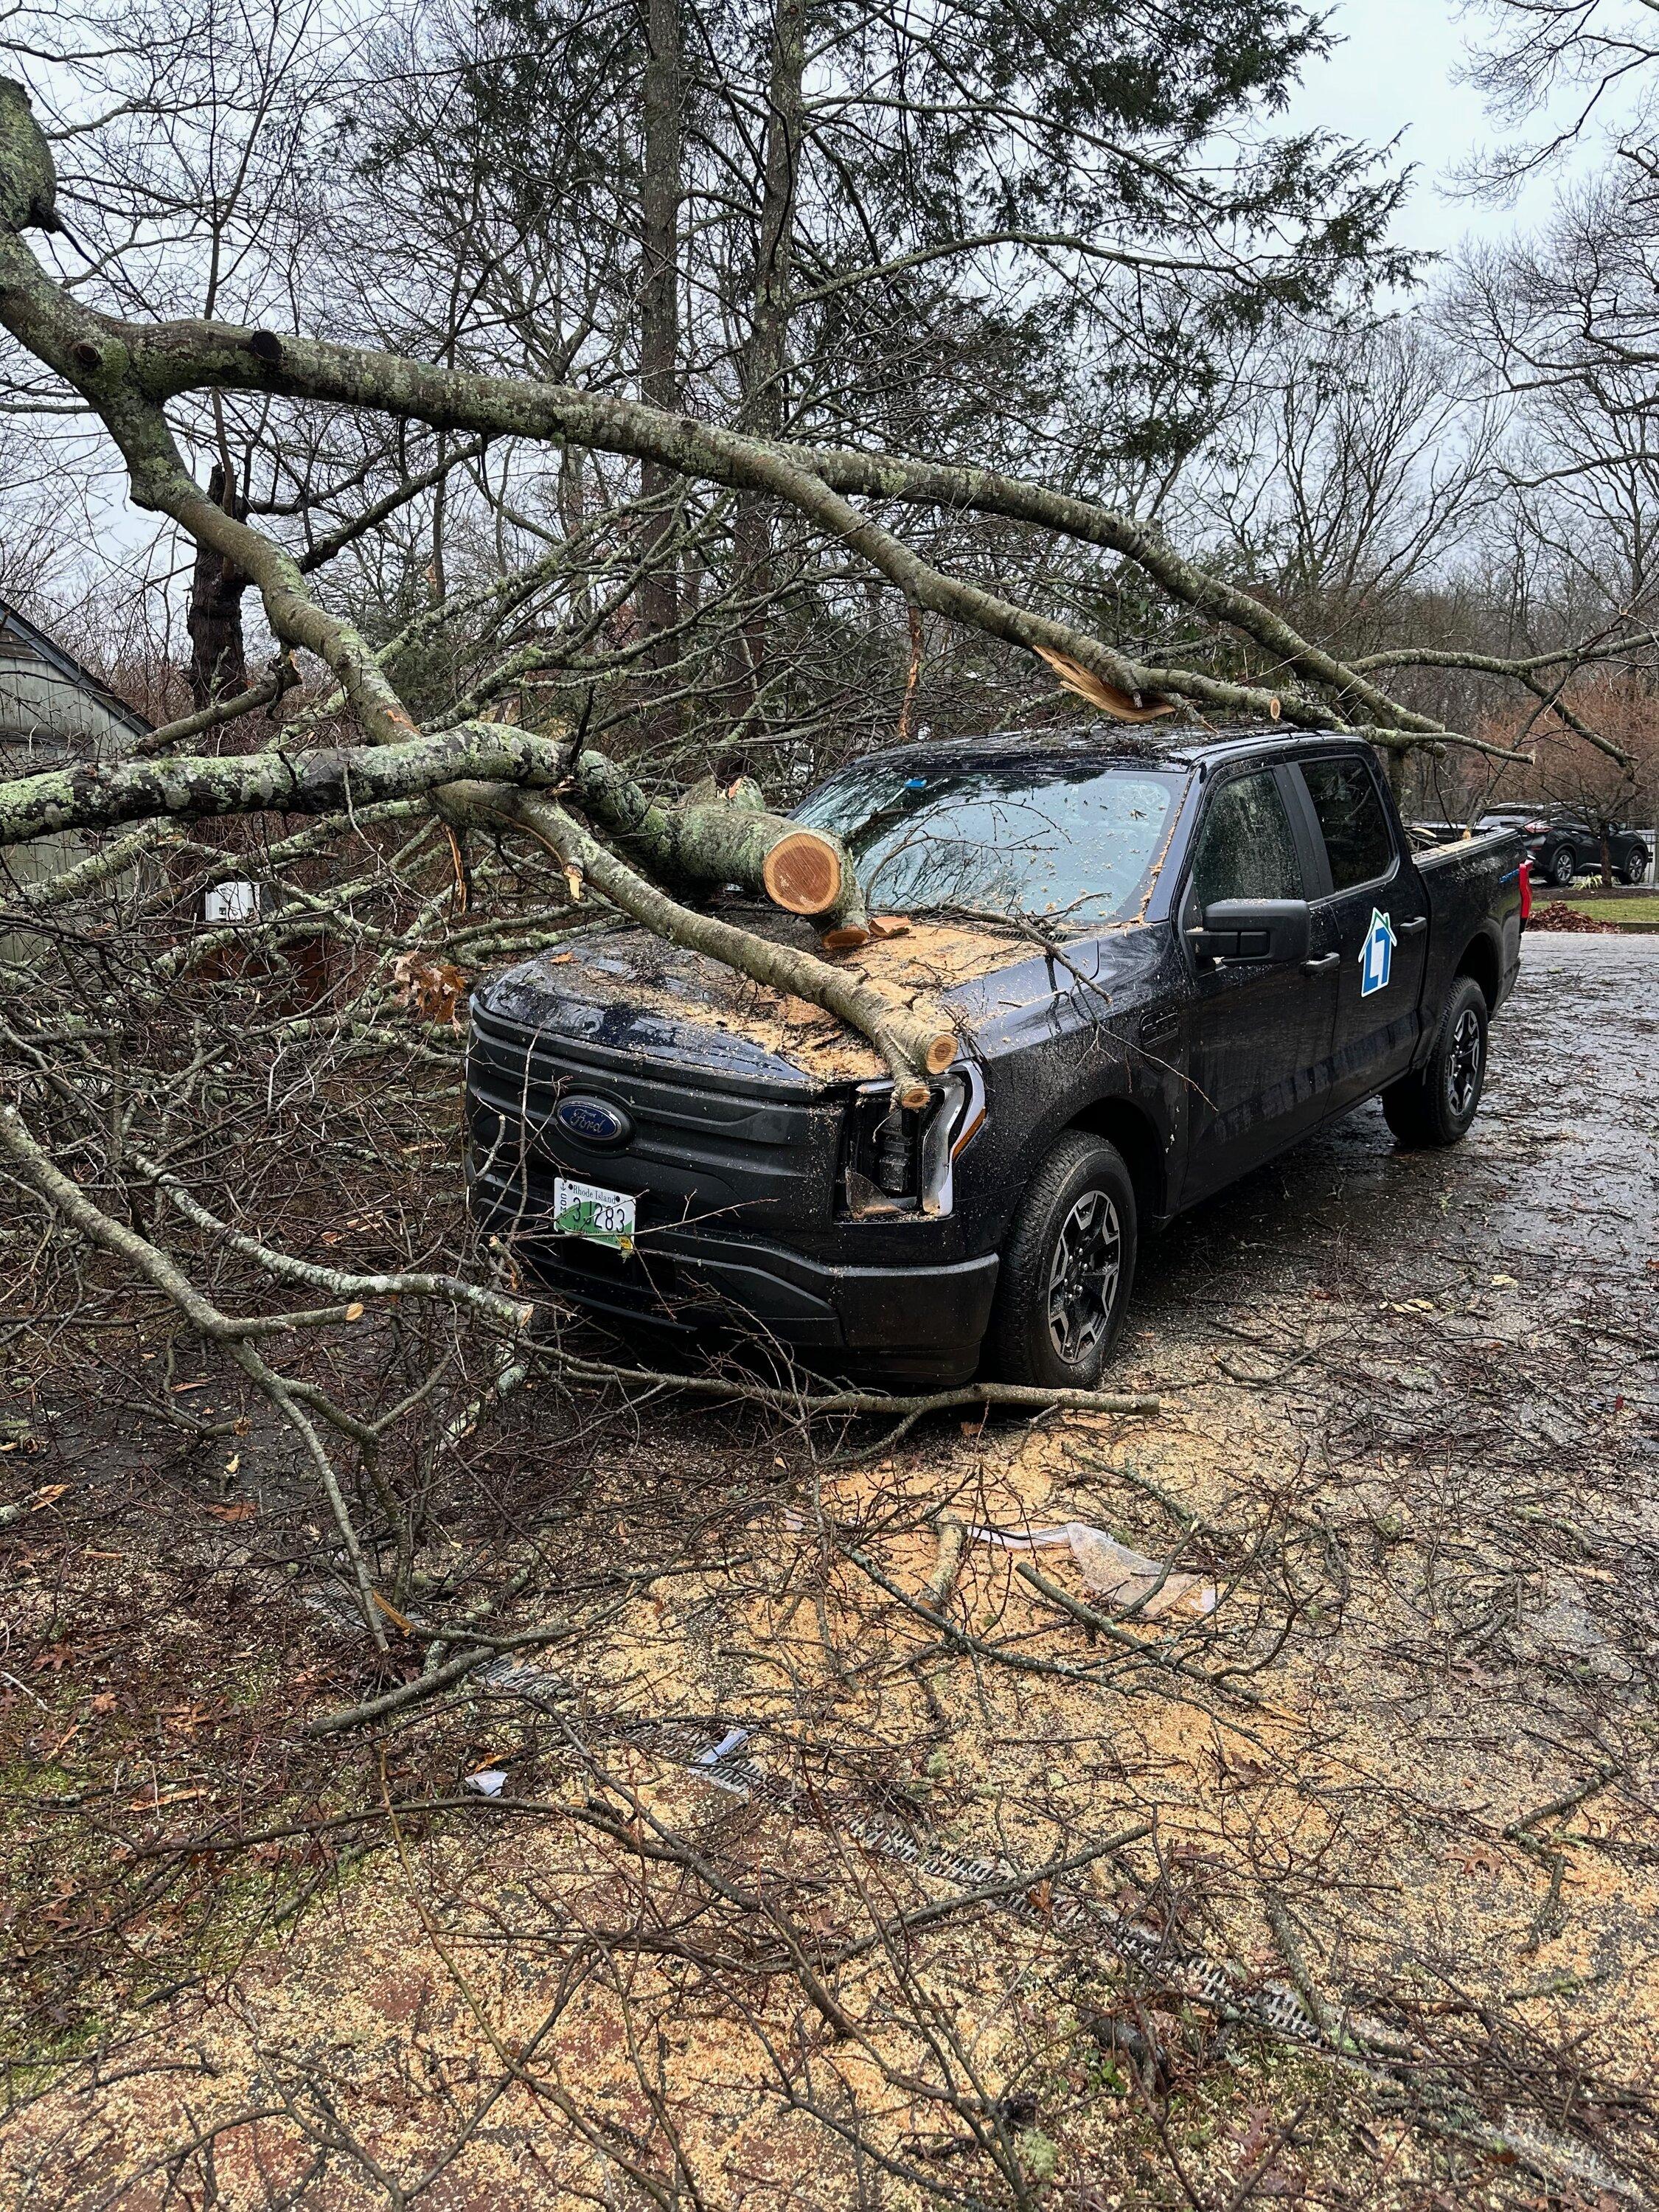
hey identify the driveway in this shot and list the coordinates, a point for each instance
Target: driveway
(1406, 1768)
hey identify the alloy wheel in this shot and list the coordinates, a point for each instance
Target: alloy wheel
(1463, 1063)
(1083, 1281)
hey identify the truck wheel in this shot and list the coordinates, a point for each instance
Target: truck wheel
(1067, 1269)
(1563, 868)
(1636, 865)
(1436, 1105)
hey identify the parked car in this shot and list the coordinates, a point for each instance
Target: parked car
(1563, 848)
(1165, 965)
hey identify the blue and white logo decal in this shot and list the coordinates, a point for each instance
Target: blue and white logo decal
(1376, 954)
(592, 1121)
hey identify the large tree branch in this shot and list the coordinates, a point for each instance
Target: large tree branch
(915, 1042)
(111, 362)
(128, 372)
(98, 796)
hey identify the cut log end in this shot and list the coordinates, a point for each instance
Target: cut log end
(847, 939)
(941, 1052)
(802, 873)
(915, 1097)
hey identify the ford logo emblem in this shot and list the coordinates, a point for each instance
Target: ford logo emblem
(592, 1121)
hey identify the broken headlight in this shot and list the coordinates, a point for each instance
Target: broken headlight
(897, 1160)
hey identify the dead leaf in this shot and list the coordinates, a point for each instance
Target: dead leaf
(354, 1310)
(435, 989)
(46, 1497)
(244, 1509)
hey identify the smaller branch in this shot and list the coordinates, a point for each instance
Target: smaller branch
(48, 1182)
(283, 677)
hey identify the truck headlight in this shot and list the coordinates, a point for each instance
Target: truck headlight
(897, 1161)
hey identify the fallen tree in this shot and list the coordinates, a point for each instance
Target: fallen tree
(126, 373)
(364, 755)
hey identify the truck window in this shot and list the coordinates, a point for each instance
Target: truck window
(1356, 829)
(1245, 848)
(1068, 839)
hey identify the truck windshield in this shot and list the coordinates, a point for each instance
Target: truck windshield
(1067, 842)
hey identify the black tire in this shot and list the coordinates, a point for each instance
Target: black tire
(1436, 1105)
(1564, 866)
(1636, 865)
(1078, 1210)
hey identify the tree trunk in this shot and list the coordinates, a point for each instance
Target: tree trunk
(662, 132)
(765, 369)
(713, 837)
(218, 661)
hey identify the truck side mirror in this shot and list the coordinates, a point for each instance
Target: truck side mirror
(1258, 932)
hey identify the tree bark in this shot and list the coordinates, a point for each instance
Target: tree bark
(94, 796)
(766, 365)
(662, 134)
(713, 837)
(218, 659)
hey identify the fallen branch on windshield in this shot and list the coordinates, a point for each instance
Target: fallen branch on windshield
(710, 838)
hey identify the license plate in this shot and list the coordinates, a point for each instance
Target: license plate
(584, 1209)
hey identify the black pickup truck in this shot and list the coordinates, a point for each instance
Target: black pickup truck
(1165, 965)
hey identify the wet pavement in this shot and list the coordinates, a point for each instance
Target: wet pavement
(1450, 1359)
(1557, 1183)
(1408, 1419)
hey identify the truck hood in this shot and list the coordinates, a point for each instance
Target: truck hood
(625, 991)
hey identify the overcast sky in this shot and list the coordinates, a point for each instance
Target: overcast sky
(1395, 73)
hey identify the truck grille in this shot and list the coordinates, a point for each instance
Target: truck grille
(702, 1150)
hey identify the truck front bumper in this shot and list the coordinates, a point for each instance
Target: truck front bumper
(920, 1321)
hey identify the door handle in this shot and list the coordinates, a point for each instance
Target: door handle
(1410, 928)
(1322, 966)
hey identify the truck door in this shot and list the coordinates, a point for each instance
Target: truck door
(1256, 1036)
(1376, 913)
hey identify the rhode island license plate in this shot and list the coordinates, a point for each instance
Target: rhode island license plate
(583, 1209)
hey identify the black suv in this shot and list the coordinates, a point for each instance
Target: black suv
(1565, 847)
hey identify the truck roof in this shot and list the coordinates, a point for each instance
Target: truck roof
(1104, 741)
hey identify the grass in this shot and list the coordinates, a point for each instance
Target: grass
(1619, 910)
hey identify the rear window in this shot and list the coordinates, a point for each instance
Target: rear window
(1067, 842)
(1356, 829)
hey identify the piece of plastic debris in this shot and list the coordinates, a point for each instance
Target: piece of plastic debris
(733, 1741)
(488, 1782)
(1112, 1570)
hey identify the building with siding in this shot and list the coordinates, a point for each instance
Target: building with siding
(54, 712)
